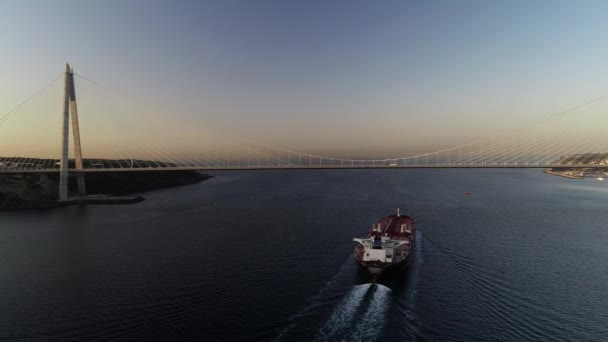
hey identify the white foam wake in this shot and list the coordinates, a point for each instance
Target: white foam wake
(344, 314)
(346, 268)
(370, 325)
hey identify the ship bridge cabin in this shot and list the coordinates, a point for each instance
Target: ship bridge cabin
(377, 243)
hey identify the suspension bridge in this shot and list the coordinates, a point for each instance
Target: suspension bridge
(573, 138)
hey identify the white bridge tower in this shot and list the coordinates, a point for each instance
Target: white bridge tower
(69, 106)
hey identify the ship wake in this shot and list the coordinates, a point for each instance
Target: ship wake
(359, 316)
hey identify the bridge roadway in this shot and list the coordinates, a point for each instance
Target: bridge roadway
(304, 167)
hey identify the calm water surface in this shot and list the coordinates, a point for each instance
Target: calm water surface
(267, 255)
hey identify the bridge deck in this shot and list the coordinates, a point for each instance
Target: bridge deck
(300, 167)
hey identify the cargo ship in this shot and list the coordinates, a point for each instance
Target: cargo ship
(389, 244)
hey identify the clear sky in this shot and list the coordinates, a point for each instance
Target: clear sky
(381, 78)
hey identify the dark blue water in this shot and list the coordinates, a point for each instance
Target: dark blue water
(267, 255)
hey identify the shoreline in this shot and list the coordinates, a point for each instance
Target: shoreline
(94, 199)
(31, 191)
(551, 172)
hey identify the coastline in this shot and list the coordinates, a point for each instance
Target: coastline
(551, 172)
(23, 192)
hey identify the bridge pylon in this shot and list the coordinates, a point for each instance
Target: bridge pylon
(70, 107)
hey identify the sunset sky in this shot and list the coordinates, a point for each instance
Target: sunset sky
(347, 78)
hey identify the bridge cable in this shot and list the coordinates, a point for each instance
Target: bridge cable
(499, 151)
(15, 110)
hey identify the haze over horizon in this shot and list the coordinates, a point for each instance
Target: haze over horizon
(352, 78)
